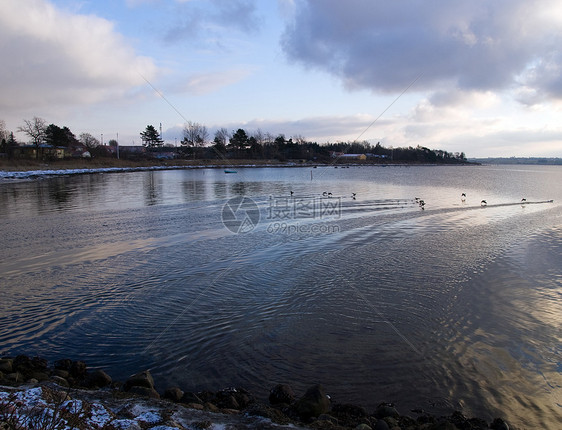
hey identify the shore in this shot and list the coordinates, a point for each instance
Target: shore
(25, 165)
(67, 394)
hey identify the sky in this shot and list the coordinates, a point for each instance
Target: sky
(480, 77)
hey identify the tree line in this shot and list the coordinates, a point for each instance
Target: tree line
(238, 144)
(40, 133)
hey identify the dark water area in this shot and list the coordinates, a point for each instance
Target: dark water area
(453, 306)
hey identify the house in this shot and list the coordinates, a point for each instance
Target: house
(77, 150)
(353, 156)
(344, 156)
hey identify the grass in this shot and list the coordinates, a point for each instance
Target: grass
(18, 165)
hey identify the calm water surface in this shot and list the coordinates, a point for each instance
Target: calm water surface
(455, 306)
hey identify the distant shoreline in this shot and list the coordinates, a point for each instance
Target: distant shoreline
(83, 166)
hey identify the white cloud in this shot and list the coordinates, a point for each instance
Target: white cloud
(54, 57)
(209, 82)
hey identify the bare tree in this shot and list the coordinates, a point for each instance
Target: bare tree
(194, 135)
(222, 137)
(259, 136)
(36, 129)
(4, 135)
(269, 138)
(89, 141)
(299, 139)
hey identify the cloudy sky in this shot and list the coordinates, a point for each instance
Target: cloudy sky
(479, 76)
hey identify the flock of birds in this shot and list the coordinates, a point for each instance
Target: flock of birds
(419, 201)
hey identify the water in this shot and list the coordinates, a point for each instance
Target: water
(456, 306)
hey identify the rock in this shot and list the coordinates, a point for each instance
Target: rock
(39, 364)
(40, 376)
(328, 418)
(499, 424)
(191, 398)
(144, 391)
(174, 394)
(443, 425)
(281, 393)
(64, 364)
(78, 369)
(60, 381)
(227, 401)
(314, 403)
(210, 407)
(62, 373)
(6, 365)
(206, 396)
(243, 397)
(363, 427)
(265, 411)
(15, 377)
(381, 425)
(23, 365)
(348, 410)
(392, 422)
(141, 379)
(232, 398)
(98, 379)
(196, 406)
(386, 410)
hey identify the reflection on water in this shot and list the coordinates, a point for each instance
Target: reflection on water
(452, 306)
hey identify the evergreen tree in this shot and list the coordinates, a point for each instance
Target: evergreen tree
(56, 136)
(239, 140)
(150, 137)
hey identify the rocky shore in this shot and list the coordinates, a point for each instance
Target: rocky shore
(66, 394)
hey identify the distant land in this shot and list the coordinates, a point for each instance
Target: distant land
(518, 160)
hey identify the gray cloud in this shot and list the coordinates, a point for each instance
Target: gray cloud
(197, 23)
(478, 45)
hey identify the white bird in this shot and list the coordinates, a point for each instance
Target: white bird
(483, 203)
